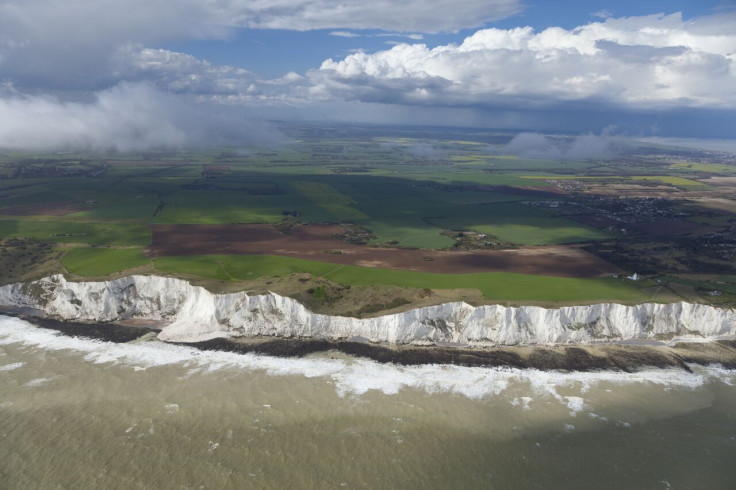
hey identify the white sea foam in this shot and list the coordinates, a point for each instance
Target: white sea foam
(524, 402)
(12, 367)
(37, 382)
(575, 404)
(359, 376)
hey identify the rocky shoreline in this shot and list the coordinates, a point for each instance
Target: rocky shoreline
(605, 336)
(583, 357)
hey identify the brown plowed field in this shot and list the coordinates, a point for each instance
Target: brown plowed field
(315, 242)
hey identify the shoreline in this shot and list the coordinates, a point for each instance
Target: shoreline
(193, 314)
(568, 357)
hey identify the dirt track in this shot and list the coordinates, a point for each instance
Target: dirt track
(315, 242)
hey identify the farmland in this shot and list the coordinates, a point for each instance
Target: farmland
(93, 233)
(496, 287)
(360, 207)
(100, 262)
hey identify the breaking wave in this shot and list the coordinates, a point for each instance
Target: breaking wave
(354, 377)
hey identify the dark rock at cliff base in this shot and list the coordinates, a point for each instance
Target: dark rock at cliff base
(564, 358)
(596, 357)
(111, 332)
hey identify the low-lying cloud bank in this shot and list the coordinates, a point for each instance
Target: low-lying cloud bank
(425, 151)
(127, 117)
(582, 147)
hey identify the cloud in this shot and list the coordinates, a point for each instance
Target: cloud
(558, 78)
(127, 117)
(388, 15)
(180, 72)
(590, 146)
(652, 62)
(533, 145)
(414, 36)
(582, 147)
(68, 44)
(344, 34)
(184, 74)
(424, 151)
(602, 14)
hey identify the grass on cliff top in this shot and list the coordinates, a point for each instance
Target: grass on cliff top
(239, 267)
(98, 262)
(495, 286)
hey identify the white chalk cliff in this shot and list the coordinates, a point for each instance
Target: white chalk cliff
(193, 314)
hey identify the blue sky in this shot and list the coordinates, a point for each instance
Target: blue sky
(273, 53)
(571, 13)
(138, 73)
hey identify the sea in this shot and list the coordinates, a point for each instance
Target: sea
(81, 413)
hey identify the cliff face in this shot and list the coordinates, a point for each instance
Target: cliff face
(194, 314)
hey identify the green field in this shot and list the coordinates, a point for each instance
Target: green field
(672, 180)
(125, 208)
(77, 232)
(517, 223)
(232, 267)
(99, 261)
(324, 181)
(499, 286)
(220, 207)
(33, 196)
(494, 286)
(369, 177)
(712, 168)
(328, 198)
(407, 231)
(682, 182)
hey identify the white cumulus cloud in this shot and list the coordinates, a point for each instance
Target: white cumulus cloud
(180, 72)
(69, 44)
(658, 61)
